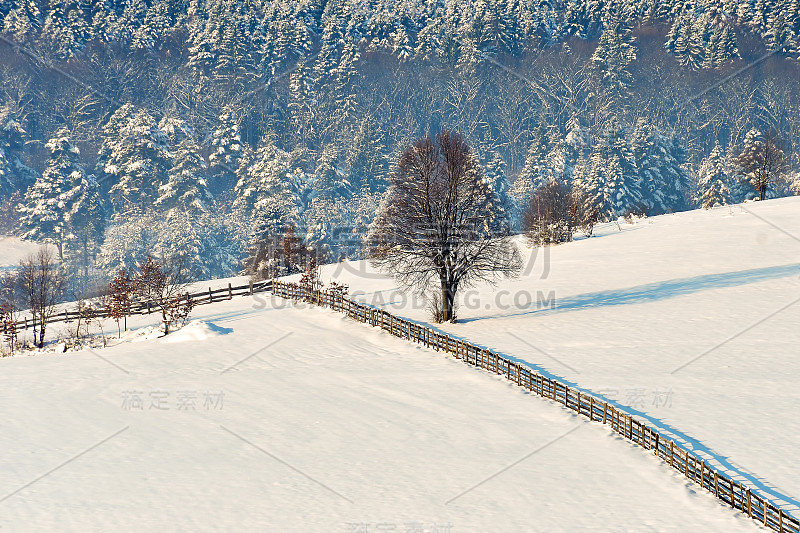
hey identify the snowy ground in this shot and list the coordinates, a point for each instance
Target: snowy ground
(280, 419)
(687, 319)
(691, 320)
(12, 250)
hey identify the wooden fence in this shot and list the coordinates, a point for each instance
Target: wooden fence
(731, 492)
(146, 307)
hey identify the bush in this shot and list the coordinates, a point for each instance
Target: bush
(555, 213)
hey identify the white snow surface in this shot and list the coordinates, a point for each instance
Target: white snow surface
(689, 320)
(12, 250)
(301, 420)
(266, 415)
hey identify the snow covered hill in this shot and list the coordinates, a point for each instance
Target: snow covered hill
(271, 418)
(690, 320)
(12, 250)
(265, 415)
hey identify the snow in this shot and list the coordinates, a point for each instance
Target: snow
(689, 320)
(12, 250)
(197, 330)
(302, 420)
(262, 414)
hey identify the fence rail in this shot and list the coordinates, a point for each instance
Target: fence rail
(694, 468)
(148, 307)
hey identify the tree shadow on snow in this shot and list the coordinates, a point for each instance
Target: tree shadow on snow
(652, 292)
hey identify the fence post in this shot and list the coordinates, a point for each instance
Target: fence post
(749, 504)
(210, 297)
(702, 473)
(230, 292)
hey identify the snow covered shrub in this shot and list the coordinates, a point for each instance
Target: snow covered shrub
(177, 311)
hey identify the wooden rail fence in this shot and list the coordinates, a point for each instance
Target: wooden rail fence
(694, 468)
(145, 307)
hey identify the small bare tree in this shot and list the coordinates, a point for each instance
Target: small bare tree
(310, 280)
(42, 286)
(8, 326)
(441, 223)
(9, 299)
(162, 285)
(763, 161)
(119, 299)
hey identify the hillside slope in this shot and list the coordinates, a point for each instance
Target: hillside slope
(689, 319)
(323, 425)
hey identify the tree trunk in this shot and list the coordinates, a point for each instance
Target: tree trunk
(41, 333)
(448, 300)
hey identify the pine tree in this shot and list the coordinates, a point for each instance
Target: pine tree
(85, 218)
(611, 61)
(136, 154)
(714, 183)
(185, 189)
(265, 194)
(610, 179)
(44, 214)
(226, 152)
(327, 217)
(156, 28)
(661, 176)
(534, 173)
(23, 22)
(504, 206)
(65, 29)
(366, 160)
(15, 175)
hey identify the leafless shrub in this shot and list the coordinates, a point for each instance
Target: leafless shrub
(556, 212)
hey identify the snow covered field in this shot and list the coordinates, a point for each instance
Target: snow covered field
(280, 419)
(265, 416)
(689, 319)
(12, 250)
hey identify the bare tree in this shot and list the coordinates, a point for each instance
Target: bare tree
(763, 162)
(42, 285)
(9, 301)
(162, 284)
(119, 299)
(556, 212)
(441, 223)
